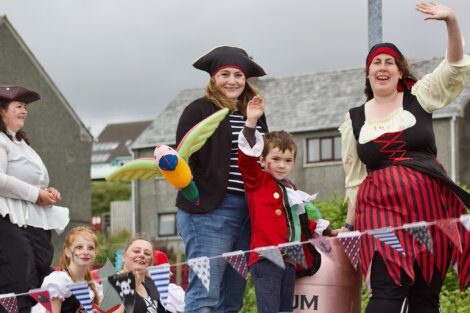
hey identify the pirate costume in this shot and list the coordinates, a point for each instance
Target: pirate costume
(391, 166)
(25, 227)
(220, 223)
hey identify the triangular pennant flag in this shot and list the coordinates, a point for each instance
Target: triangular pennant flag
(321, 243)
(387, 236)
(201, 267)
(160, 275)
(111, 298)
(465, 220)
(237, 260)
(125, 287)
(8, 301)
(82, 293)
(420, 232)
(295, 251)
(272, 254)
(43, 297)
(351, 241)
(449, 227)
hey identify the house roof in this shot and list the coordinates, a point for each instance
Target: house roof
(85, 133)
(114, 141)
(302, 103)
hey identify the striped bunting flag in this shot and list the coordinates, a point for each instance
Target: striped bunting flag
(160, 275)
(272, 254)
(295, 251)
(449, 227)
(420, 232)
(465, 220)
(8, 301)
(238, 261)
(387, 236)
(81, 292)
(351, 241)
(201, 267)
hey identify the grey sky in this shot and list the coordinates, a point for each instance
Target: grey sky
(124, 60)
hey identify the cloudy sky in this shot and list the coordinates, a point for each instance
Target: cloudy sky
(125, 60)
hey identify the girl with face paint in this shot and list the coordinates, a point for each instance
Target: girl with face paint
(80, 250)
(393, 177)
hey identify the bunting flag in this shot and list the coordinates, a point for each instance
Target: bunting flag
(465, 220)
(387, 236)
(43, 297)
(272, 254)
(81, 292)
(110, 298)
(8, 301)
(237, 260)
(368, 285)
(321, 243)
(201, 267)
(160, 275)
(449, 227)
(295, 251)
(420, 232)
(125, 287)
(351, 241)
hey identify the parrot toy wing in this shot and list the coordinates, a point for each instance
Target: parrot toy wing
(173, 164)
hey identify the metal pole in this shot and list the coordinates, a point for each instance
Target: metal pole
(375, 22)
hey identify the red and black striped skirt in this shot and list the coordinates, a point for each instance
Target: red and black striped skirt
(398, 195)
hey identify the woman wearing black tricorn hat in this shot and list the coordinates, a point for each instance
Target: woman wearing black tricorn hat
(26, 202)
(220, 223)
(389, 157)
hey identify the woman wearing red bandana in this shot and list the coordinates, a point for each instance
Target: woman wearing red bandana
(393, 177)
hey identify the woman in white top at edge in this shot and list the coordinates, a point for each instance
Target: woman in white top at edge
(27, 203)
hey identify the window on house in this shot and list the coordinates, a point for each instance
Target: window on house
(323, 149)
(166, 224)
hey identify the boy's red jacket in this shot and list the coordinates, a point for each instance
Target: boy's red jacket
(270, 214)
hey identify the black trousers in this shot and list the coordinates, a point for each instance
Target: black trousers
(25, 258)
(387, 297)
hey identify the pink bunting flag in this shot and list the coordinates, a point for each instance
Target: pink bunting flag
(420, 232)
(321, 243)
(351, 242)
(201, 267)
(8, 301)
(237, 260)
(43, 297)
(295, 251)
(272, 254)
(449, 227)
(465, 220)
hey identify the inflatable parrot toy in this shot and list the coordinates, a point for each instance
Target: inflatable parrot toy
(173, 164)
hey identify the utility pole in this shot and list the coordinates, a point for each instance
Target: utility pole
(375, 22)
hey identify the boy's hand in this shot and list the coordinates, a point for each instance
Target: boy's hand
(254, 110)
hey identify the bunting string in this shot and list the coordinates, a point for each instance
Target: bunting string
(464, 219)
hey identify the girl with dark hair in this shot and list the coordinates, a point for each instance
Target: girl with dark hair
(220, 223)
(389, 157)
(27, 203)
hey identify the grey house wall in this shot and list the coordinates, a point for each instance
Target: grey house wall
(54, 129)
(463, 128)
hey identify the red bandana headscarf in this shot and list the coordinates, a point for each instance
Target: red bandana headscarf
(390, 49)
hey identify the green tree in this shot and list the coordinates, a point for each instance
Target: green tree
(102, 193)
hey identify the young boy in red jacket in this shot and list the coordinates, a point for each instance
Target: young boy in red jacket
(269, 195)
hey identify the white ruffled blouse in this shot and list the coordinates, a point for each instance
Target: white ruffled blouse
(58, 283)
(433, 91)
(22, 174)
